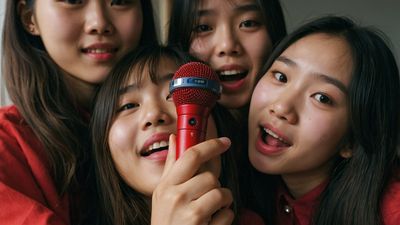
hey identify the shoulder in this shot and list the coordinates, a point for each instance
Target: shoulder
(248, 217)
(391, 204)
(10, 118)
(18, 143)
(14, 131)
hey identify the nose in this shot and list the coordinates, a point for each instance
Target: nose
(227, 42)
(155, 115)
(98, 20)
(285, 108)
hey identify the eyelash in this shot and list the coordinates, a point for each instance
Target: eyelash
(282, 77)
(128, 106)
(246, 22)
(202, 28)
(322, 98)
(113, 2)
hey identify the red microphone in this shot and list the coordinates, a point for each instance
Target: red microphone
(195, 89)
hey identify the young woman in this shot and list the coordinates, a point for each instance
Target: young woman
(132, 120)
(55, 54)
(325, 119)
(234, 37)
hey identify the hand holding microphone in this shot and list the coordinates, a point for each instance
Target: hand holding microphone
(195, 89)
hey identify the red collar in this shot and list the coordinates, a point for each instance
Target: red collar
(297, 211)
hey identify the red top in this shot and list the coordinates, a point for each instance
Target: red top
(27, 192)
(300, 211)
(248, 217)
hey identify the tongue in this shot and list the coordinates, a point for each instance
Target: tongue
(274, 142)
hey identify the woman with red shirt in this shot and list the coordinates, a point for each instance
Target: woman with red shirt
(324, 123)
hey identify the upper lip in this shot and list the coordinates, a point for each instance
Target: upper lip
(156, 137)
(106, 46)
(276, 131)
(231, 67)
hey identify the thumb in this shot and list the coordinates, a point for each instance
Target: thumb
(170, 161)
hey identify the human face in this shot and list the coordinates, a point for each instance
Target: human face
(145, 120)
(298, 112)
(85, 38)
(231, 36)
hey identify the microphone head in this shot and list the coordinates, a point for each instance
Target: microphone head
(195, 83)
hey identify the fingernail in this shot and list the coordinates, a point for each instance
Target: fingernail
(225, 140)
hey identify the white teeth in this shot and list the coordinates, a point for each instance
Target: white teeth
(231, 72)
(156, 145)
(268, 131)
(98, 51)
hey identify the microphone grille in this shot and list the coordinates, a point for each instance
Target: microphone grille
(195, 95)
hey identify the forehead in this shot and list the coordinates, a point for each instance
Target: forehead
(152, 69)
(324, 54)
(225, 5)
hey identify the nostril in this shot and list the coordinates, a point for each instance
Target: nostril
(148, 124)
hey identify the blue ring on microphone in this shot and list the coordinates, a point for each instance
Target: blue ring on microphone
(195, 82)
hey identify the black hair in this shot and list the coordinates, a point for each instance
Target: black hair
(119, 203)
(354, 192)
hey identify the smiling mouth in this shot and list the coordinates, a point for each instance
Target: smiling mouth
(232, 75)
(272, 139)
(155, 147)
(99, 50)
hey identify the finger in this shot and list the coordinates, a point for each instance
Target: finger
(169, 162)
(200, 184)
(214, 200)
(223, 216)
(191, 160)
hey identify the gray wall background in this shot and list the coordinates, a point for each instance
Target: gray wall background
(383, 14)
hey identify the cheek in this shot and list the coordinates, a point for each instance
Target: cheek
(260, 97)
(121, 136)
(200, 49)
(258, 47)
(324, 130)
(130, 27)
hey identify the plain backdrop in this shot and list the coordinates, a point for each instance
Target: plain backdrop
(383, 14)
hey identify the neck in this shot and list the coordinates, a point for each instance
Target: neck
(300, 184)
(81, 92)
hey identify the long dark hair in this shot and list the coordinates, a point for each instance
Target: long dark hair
(354, 192)
(119, 203)
(37, 88)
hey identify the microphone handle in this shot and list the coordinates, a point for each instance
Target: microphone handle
(191, 126)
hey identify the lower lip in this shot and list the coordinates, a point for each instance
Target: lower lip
(232, 86)
(101, 56)
(266, 149)
(158, 156)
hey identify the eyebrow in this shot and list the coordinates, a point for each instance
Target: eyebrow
(132, 87)
(238, 8)
(326, 78)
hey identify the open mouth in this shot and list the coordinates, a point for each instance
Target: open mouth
(155, 147)
(272, 139)
(232, 75)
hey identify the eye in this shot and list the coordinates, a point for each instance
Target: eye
(128, 106)
(73, 2)
(280, 77)
(323, 98)
(249, 24)
(121, 2)
(169, 97)
(202, 28)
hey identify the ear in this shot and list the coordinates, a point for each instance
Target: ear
(346, 152)
(27, 17)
